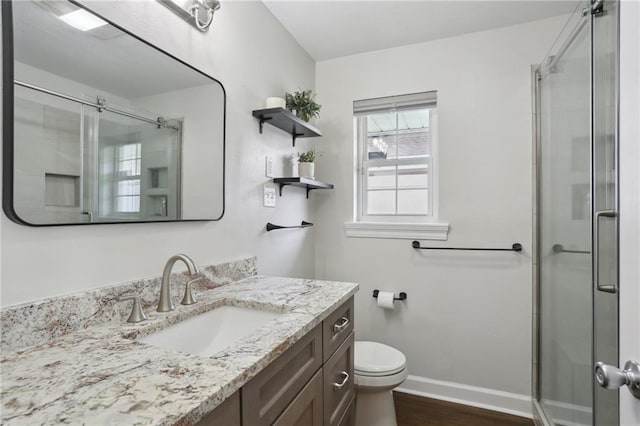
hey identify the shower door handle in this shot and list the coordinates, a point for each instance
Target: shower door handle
(608, 288)
(610, 377)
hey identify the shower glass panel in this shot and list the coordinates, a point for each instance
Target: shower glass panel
(577, 305)
(605, 201)
(565, 379)
(139, 169)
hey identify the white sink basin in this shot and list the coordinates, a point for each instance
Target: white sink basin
(210, 332)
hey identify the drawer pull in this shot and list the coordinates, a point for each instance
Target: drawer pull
(340, 324)
(345, 379)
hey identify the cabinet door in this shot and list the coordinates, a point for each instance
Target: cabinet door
(349, 417)
(225, 414)
(336, 327)
(306, 409)
(265, 396)
(339, 388)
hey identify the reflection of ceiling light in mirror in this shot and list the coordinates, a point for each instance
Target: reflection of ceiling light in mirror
(83, 20)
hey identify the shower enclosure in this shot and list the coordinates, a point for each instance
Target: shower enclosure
(576, 300)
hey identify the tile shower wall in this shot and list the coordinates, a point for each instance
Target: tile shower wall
(44, 262)
(465, 327)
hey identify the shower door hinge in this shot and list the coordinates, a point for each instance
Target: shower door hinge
(597, 8)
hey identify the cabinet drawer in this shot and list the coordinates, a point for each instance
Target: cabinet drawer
(265, 396)
(225, 414)
(306, 408)
(339, 388)
(336, 327)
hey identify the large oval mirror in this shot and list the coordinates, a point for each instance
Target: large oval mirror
(102, 127)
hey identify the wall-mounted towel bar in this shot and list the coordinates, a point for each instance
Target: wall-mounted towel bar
(517, 247)
(559, 248)
(271, 226)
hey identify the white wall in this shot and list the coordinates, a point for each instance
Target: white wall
(254, 57)
(467, 319)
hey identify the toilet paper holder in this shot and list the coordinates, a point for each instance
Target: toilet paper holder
(403, 295)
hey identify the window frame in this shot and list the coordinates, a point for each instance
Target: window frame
(363, 163)
(396, 226)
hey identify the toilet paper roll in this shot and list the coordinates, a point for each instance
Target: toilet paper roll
(385, 300)
(276, 103)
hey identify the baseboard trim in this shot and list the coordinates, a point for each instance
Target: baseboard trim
(489, 399)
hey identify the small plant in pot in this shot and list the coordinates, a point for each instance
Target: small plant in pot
(303, 104)
(306, 163)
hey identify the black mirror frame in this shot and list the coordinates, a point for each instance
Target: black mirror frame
(8, 116)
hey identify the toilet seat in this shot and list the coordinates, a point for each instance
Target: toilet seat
(373, 359)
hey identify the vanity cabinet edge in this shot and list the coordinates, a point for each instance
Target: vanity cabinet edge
(225, 414)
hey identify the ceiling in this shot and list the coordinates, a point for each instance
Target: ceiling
(104, 58)
(330, 29)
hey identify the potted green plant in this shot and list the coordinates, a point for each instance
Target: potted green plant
(303, 104)
(306, 163)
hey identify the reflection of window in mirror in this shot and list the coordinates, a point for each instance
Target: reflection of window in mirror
(127, 184)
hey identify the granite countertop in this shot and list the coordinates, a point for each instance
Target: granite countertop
(102, 375)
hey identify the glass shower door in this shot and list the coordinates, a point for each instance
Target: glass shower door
(577, 306)
(565, 380)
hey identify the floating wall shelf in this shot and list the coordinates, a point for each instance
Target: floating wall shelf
(307, 183)
(284, 119)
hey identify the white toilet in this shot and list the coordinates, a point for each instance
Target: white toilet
(378, 368)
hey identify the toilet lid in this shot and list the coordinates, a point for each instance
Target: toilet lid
(376, 359)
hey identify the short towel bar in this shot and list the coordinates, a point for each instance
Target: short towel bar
(271, 226)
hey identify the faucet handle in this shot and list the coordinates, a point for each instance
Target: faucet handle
(137, 314)
(188, 298)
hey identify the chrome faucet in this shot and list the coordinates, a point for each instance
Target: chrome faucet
(166, 304)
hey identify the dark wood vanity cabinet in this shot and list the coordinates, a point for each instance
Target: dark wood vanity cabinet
(306, 409)
(339, 389)
(310, 384)
(266, 396)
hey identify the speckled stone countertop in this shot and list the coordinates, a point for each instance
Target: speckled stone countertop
(102, 375)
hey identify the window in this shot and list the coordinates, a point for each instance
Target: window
(128, 166)
(396, 139)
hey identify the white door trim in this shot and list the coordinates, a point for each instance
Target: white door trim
(629, 199)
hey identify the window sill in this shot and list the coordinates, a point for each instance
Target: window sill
(403, 231)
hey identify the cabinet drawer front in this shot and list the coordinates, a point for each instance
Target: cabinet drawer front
(306, 409)
(225, 414)
(336, 327)
(265, 396)
(339, 387)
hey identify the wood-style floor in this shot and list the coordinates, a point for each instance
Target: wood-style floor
(412, 410)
